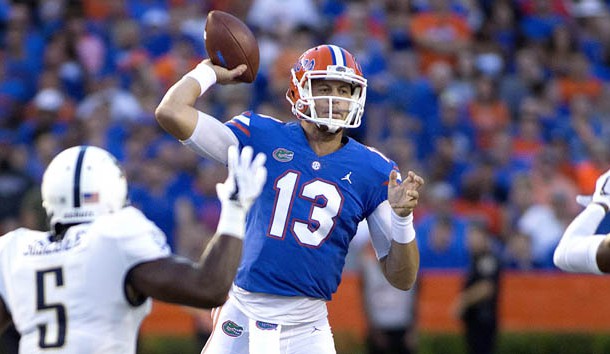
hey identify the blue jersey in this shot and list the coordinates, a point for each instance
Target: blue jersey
(299, 229)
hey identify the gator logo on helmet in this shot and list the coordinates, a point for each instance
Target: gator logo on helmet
(232, 329)
(305, 64)
(283, 155)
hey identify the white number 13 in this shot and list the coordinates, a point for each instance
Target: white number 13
(323, 214)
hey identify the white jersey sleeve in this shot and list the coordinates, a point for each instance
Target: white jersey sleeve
(380, 229)
(138, 239)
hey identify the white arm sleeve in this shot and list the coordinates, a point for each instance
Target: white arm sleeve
(385, 226)
(211, 138)
(379, 227)
(577, 249)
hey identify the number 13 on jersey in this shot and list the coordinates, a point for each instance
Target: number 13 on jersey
(325, 201)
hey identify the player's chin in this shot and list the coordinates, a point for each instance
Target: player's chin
(328, 130)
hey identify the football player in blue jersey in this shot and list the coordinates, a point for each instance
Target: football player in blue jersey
(321, 185)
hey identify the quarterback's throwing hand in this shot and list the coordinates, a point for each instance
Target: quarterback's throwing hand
(403, 197)
(246, 177)
(226, 76)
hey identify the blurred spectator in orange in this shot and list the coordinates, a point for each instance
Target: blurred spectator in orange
(487, 111)
(439, 34)
(528, 139)
(475, 202)
(579, 79)
(102, 10)
(181, 58)
(360, 16)
(291, 46)
(127, 53)
(587, 171)
(555, 7)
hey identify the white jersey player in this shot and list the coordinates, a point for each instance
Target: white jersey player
(85, 287)
(581, 250)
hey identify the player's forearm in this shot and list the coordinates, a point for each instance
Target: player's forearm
(218, 266)
(401, 265)
(579, 249)
(176, 113)
(220, 259)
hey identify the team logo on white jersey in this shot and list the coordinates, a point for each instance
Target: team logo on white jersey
(347, 177)
(283, 155)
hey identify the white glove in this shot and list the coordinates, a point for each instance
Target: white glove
(237, 194)
(246, 178)
(602, 190)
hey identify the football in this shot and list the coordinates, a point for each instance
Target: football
(229, 43)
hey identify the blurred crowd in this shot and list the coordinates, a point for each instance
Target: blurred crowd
(503, 106)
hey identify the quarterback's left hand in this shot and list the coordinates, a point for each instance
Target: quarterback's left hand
(403, 197)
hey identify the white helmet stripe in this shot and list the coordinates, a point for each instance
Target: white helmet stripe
(337, 55)
(77, 172)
